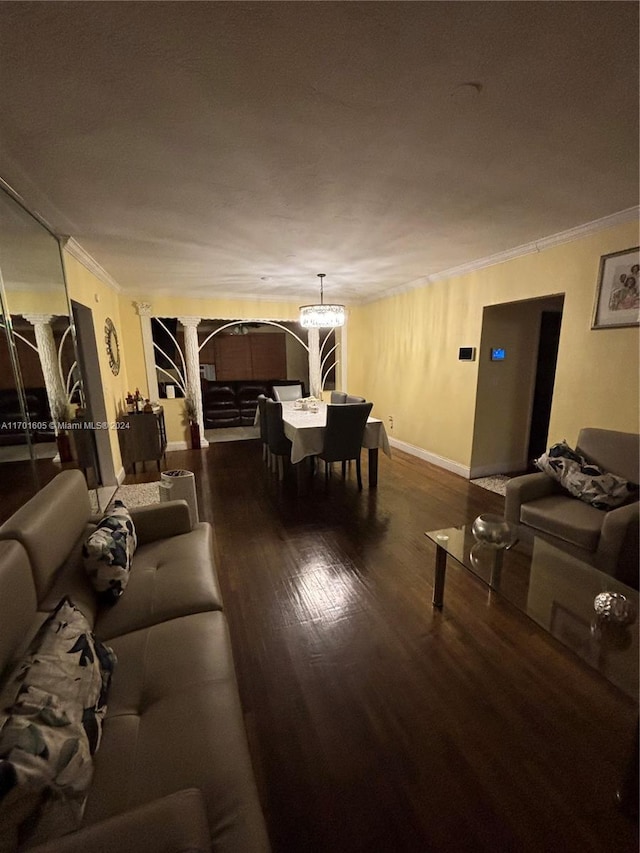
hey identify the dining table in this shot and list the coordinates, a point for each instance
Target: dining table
(305, 428)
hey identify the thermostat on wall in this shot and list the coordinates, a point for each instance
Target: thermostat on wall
(498, 353)
(467, 354)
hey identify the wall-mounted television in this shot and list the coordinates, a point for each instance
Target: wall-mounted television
(498, 353)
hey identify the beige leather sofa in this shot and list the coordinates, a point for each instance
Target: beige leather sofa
(173, 771)
(607, 539)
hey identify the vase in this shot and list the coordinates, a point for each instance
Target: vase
(493, 531)
(64, 447)
(194, 429)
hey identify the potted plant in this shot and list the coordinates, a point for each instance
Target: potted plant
(60, 414)
(191, 414)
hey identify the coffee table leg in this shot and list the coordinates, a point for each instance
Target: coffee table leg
(438, 583)
(373, 467)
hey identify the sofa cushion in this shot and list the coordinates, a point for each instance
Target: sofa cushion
(108, 553)
(61, 508)
(572, 521)
(585, 480)
(18, 594)
(51, 713)
(169, 578)
(174, 722)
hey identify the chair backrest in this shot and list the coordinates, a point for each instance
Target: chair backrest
(262, 415)
(287, 392)
(345, 428)
(276, 439)
(352, 399)
(338, 397)
(614, 452)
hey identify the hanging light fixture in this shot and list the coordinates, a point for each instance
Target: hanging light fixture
(321, 316)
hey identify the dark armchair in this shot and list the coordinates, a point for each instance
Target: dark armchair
(343, 436)
(607, 539)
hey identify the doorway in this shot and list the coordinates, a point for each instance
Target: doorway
(514, 393)
(550, 322)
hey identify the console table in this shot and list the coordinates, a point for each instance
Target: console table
(142, 437)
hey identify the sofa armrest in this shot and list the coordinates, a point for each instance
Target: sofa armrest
(528, 487)
(618, 545)
(173, 824)
(159, 521)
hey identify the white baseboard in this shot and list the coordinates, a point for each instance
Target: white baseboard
(177, 445)
(120, 476)
(440, 461)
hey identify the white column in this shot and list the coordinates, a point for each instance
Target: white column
(144, 312)
(315, 379)
(48, 354)
(192, 360)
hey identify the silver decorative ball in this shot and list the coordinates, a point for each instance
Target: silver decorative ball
(614, 607)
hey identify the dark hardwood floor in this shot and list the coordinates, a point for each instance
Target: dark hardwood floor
(376, 723)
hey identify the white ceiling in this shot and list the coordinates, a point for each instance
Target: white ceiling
(241, 148)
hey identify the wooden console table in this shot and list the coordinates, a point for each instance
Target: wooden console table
(142, 437)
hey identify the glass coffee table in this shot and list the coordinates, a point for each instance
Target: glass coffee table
(554, 589)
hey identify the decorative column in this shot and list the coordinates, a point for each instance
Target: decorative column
(315, 379)
(192, 360)
(144, 312)
(48, 354)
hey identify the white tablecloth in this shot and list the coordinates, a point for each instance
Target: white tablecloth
(305, 430)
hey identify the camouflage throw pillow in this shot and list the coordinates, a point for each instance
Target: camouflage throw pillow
(584, 479)
(51, 714)
(108, 553)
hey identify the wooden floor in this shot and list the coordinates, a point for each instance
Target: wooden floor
(375, 722)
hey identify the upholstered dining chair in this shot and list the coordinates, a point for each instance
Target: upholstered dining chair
(338, 397)
(287, 392)
(262, 419)
(343, 436)
(278, 443)
(352, 399)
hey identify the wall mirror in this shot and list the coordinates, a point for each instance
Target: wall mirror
(39, 376)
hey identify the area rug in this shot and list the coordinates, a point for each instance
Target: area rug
(497, 483)
(139, 494)
(241, 433)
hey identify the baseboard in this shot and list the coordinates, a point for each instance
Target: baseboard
(120, 476)
(178, 445)
(440, 461)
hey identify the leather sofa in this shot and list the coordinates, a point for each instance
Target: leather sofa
(39, 416)
(173, 770)
(606, 539)
(227, 404)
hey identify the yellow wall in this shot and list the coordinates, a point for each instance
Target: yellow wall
(84, 287)
(403, 350)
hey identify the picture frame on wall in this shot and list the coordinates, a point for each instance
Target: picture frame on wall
(618, 291)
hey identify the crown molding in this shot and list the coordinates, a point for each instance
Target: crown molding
(76, 251)
(619, 218)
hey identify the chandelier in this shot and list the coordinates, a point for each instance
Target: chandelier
(321, 316)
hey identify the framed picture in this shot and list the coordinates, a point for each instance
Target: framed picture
(618, 292)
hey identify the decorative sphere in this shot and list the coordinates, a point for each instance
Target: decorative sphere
(614, 607)
(493, 530)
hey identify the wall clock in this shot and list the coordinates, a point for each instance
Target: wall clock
(113, 349)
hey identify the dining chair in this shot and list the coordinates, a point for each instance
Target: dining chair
(343, 436)
(278, 443)
(351, 399)
(338, 397)
(287, 392)
(262, 419)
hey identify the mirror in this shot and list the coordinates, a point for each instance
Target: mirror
(39, 377)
